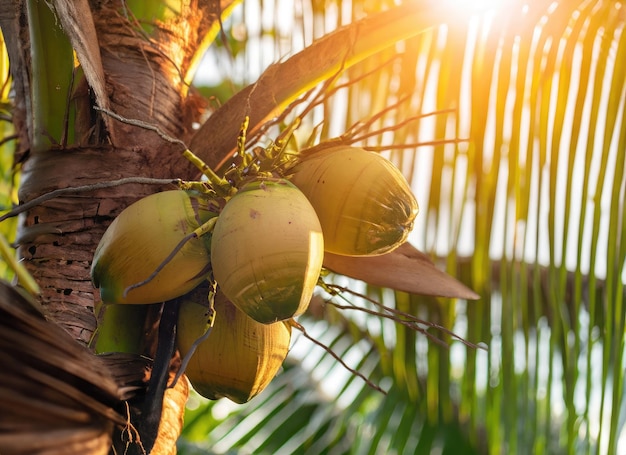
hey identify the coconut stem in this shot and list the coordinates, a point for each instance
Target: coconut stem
(219, 184)
(153, 404)
(301, 328)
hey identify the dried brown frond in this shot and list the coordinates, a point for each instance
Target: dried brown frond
(56, 397)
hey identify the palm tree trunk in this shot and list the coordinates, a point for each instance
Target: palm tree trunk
(146, 79)
(143, 82)
(58, 238)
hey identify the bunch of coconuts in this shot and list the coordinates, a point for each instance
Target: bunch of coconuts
(264, 249)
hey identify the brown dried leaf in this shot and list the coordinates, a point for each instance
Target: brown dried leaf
(283, 82)
(56, 397)
(404, 269)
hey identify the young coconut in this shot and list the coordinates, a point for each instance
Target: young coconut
(120, 328)
(240, 356)
(141, 238)
(363, 202)
(267, 250)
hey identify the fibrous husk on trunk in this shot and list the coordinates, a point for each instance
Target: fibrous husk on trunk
(56, 397)
(130, 74)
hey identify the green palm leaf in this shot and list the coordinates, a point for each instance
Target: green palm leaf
(529, 212)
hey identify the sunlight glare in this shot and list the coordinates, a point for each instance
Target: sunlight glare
(463, 7)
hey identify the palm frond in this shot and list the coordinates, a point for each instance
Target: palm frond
(56, 396)
(525, 205)
(315, 405)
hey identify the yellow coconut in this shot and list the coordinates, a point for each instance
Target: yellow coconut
(239, 358)
(363, 202)
(267, 250)
(141, 237)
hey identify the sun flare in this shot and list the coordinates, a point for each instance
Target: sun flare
(476, 6)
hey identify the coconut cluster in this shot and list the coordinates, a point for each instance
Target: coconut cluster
(264, 248)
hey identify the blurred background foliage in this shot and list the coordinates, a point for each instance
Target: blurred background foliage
(519, 107)
(8, 175)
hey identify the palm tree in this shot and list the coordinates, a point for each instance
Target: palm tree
(521, 193)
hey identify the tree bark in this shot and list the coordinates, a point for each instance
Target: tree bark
(58, 238)
(146, 79)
